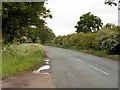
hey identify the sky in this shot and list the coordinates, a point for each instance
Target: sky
(66, 14)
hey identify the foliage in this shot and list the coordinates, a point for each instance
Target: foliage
(0, 7)
(17, 16)
(22, 49)
(18, 58)
(88, 22)
(109, 26)
(111, 2)
(106, 40)
(25, 33)
(86, 40)
(58, 40)
(77, 40)
(101, 53)
(46, 35)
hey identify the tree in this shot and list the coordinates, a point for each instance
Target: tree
(17, 16)
(0, 7)
(88, 22)
(111, 2)
(109, 26)
(46, 35)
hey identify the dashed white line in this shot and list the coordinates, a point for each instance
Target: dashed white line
(94, 67)
(99, 70)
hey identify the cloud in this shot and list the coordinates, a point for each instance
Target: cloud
(66, 13)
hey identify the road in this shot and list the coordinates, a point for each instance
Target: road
(72, 69)
(28, 80)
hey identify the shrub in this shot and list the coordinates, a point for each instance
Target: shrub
(19, 58)
(108, 40)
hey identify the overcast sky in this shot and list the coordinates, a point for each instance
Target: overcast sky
(66, 13)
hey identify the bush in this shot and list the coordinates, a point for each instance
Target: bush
(87, 40)
(77, 40)
(17, 58)
(108, 40)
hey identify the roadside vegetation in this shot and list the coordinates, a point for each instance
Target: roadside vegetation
(25, 25)
(25, 21)
(104, 43)
(17, 58)
(23, 33)
(92, 38)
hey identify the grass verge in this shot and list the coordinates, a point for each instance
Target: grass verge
(18, 58)
(101, 53)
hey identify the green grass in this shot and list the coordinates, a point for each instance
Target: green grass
(101, 53)
(18, 58)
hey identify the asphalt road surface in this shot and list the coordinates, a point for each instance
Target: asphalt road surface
(72, 69)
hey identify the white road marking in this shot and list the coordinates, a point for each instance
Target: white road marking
(78, 59)
(47, 60)
(99, 70)
(45, 73)
(94, 67)
(36, 72)
(43, 68)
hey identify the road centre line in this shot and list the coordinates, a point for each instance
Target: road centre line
(95, 67)
(99, 70)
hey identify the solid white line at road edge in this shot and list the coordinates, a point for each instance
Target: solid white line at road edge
(99, 70)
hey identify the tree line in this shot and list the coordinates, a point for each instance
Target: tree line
(91, 34)
(105, 39)
(18, 19)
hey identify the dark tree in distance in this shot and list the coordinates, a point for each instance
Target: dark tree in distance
(111, 2)
(46, 35)
(109, 26)
(88, 23)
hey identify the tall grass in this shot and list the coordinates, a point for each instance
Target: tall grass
(18, 58)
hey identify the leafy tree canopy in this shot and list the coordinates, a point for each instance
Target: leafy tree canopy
(0, 7)
(19, 15)
(88, 22)
(46, 35)
(111, 2)
(109, 26)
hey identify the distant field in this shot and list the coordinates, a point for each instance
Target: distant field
(18, 58)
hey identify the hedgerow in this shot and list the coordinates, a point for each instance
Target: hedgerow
(108, 39)
(105, 39)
